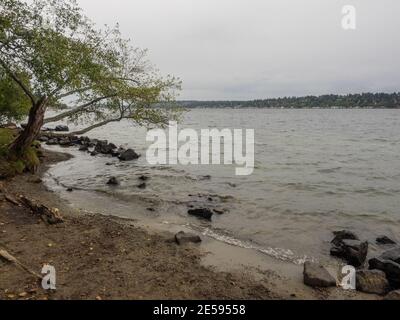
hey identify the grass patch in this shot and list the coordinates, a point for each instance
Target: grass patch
(9, 168)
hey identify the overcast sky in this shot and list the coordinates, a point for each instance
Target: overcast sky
(247, 49)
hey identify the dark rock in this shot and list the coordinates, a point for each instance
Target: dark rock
(113, 181)
(372, 281)
(104, 148)
(128, 155)
(316, 275)
(43, 138)
(201, 213)
(393, 295)
(343, 235)
(62, 128)
(52, 142)
(115, 153)
(388, 262)
(83, 148)
(353, 251)
(142, 186)
(143, 178)
(75, 140)
(392, 254)
(109, 164)
(346, 245)
(384, 240)
(184, 238)
(93, 153)
(70, 189)
(151, 209)
(64, 142)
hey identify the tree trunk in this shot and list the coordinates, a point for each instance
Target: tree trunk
(31, 131)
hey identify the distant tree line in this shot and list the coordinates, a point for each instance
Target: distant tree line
(364, 100)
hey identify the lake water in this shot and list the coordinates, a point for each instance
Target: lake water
(316, 171)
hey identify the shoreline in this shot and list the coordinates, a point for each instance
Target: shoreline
(106, 257)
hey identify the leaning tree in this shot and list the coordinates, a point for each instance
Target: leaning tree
(67, 63)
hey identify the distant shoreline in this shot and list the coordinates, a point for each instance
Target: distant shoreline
(330, 101)
(291, 108)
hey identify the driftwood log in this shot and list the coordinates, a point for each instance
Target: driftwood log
(4, 255)
(48, 215)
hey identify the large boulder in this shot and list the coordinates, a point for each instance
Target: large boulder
(388, 262)
(348, 247)
(128, 155)
(184, 238)
(315, 275)
(372, 281)
(62, 128)
(202, 213)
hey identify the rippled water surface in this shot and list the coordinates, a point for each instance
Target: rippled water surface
(316, 171)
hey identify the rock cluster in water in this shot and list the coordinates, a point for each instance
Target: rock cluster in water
(380, 275)
(93, 146)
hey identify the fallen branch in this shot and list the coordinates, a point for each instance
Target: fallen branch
(11, 199)
(11, 259)
(48, 215)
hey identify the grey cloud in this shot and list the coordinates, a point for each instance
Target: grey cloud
(245, 49)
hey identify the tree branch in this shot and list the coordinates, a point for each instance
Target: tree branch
(18, 81)
(76, 110)
(94, 126)
(67, 94)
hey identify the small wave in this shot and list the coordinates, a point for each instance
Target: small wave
(277, 253)
(330, 170)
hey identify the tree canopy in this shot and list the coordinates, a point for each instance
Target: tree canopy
(68, 63)
(14, 104)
